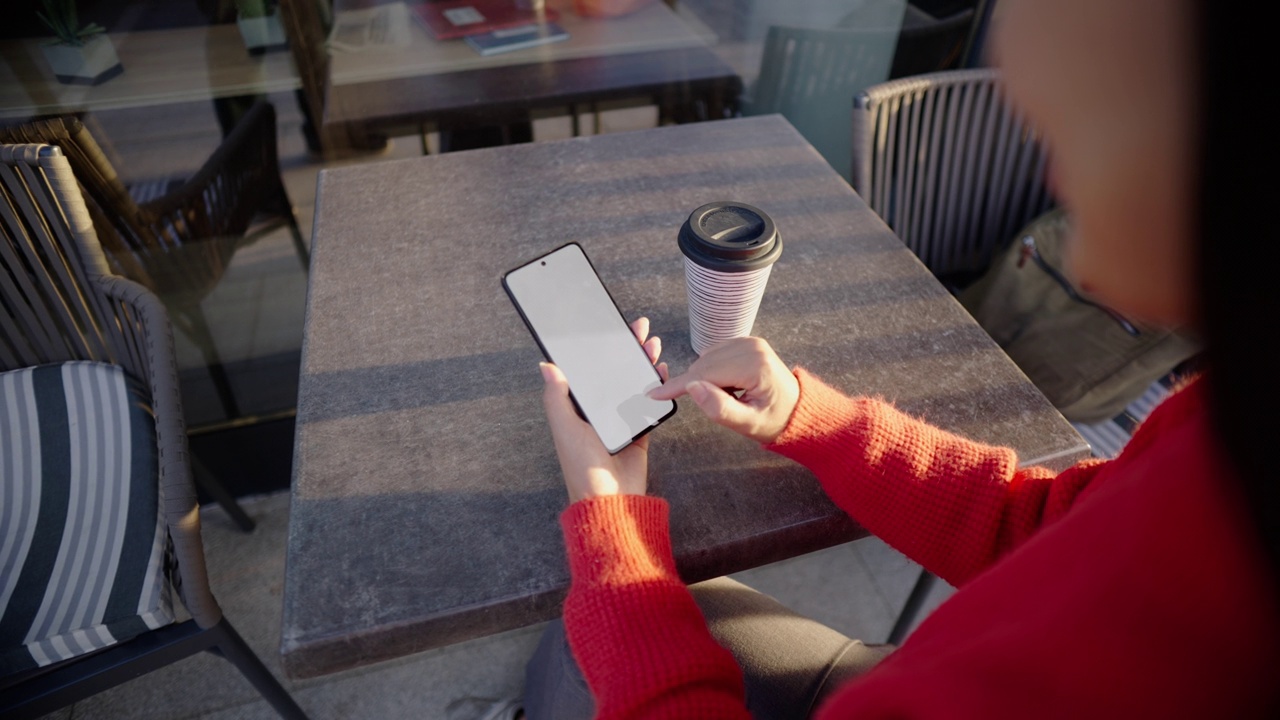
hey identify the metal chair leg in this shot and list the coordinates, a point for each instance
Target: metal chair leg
(231, 646)
(911, 609)
(150, 651)
(210, 484)
(304, 256)
(203, 337)
(91, 674)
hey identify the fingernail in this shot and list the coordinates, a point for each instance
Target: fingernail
(697, 391)
(545, 369)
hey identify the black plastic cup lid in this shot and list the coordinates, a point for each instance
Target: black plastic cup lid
(730, 237)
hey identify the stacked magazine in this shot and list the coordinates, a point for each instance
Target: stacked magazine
(490, 26)
(517, 38)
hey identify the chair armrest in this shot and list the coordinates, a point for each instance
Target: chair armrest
(221, 197)
(149, 348)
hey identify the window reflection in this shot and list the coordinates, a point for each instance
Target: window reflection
(166, 88)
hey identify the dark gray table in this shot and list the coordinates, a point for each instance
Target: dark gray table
(426, 488)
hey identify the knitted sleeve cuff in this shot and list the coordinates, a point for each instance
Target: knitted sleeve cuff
(618, 539)
(823, 415)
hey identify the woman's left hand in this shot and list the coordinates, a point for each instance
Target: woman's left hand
(589, 470)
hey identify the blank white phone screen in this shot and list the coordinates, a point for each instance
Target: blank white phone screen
(581, 331)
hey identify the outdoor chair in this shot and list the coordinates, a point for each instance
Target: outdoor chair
(99, 524)
(810, 76)
(957, 173)
(951, 168)
(179, 245)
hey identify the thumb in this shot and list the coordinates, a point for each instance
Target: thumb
(721, 407)
(555, 393)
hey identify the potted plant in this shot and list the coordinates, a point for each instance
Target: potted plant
(259, 23)
(78, 55)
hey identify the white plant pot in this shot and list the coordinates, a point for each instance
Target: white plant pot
(93, 63)
(262, 33)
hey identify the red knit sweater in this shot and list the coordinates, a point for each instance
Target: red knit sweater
(1113, 589)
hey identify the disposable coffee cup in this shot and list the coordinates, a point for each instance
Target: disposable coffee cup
(729, 249)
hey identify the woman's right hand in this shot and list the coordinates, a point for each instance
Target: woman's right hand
(769, 390)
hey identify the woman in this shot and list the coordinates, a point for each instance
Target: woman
(1145, 586)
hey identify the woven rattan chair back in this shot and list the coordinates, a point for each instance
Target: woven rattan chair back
(52, 312)
(179, 245)
(948, 165)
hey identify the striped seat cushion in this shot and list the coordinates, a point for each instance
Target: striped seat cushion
(82, 545)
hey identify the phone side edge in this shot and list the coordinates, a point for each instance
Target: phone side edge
(523, 318)
(537, 340)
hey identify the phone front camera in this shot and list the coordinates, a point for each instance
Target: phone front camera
(544, 262)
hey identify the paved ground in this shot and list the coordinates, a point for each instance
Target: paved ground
(857, 588)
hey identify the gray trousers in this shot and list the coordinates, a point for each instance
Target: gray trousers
(789, 662)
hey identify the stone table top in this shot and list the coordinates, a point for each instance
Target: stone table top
(426, 489)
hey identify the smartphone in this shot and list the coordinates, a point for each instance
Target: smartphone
(575, 321)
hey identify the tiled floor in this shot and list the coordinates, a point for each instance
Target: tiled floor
(256, 312)
(856, 588)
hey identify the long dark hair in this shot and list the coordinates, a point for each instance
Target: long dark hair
(1239, 188)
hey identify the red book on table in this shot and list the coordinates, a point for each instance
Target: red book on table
(456, 18)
